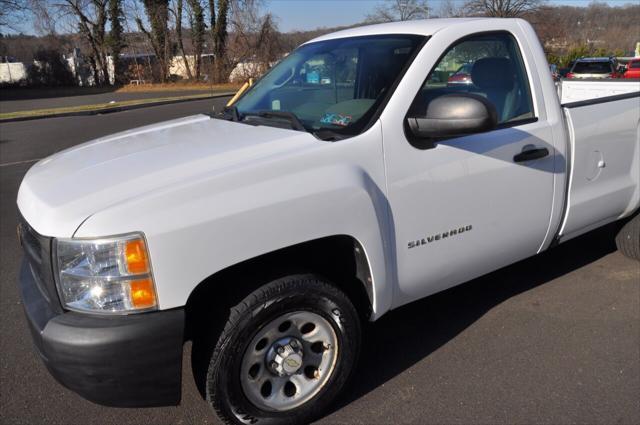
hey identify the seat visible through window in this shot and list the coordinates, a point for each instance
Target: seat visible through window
(495, 79)
(489, 65)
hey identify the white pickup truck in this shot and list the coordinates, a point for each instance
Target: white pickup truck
(356, 176)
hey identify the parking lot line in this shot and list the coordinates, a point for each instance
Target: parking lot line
(7, 164)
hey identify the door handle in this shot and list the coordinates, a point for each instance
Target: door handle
(530, 154)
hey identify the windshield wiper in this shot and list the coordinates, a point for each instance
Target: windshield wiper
(328, 135)
(233, 111)
(229, 113)
(293, 119)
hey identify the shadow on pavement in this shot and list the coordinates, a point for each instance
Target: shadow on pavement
(407, 335)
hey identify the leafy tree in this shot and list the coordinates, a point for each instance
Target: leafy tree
(599, 52)
(554, 59)
(576, 53)
(618, 52)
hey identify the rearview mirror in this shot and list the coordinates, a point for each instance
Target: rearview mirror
(454, 114)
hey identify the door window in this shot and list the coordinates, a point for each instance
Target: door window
(489, 65)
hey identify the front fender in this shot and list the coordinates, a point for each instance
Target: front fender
(197, 230)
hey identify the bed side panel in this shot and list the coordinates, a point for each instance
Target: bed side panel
(604, 180)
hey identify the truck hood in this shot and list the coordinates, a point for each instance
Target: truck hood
(59, 192)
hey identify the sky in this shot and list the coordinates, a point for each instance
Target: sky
(311, 14)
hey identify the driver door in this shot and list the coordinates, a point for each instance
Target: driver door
(462, 207)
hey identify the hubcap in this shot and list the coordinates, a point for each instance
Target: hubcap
(285, 357)
(289, 361)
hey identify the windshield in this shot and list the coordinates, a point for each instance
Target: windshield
(334, 85)
(592, 68)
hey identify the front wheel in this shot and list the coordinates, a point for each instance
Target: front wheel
(285, 354)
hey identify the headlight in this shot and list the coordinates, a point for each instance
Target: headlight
(109, 275)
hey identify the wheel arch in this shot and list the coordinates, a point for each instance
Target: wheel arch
(342, 259)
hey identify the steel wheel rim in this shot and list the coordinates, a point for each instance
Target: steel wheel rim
(268, 374)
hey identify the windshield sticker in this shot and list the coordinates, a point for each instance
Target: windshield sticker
(336, 119)
(313, 77)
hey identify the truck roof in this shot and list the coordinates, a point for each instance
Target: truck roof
(420, 27)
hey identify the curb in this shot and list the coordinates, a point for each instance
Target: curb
(115, 108)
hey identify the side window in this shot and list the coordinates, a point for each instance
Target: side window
(488, 65)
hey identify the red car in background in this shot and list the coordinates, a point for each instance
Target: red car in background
(461, 76)
(633, 69)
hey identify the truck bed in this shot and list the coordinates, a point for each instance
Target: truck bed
(573, 90)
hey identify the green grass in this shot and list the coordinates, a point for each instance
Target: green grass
(95, 107)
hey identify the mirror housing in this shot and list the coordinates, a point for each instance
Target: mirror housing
(455, 114)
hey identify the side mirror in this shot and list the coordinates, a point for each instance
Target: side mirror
(454, 114)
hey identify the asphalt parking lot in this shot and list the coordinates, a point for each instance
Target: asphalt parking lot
(551, 340)
(13, 105)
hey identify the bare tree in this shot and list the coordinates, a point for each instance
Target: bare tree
(115, 39)
(158, 15)
(502, 8)
(91, 17)
(566, 29)
(177, 11)
(449, 9)
(400, 10)
(44, 21)
(220, 33)
(212, 14)
(255, 40)
(196, 21)
(11, 13)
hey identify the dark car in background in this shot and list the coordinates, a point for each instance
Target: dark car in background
(593, 68)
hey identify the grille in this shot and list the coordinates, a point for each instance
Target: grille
(37, 253)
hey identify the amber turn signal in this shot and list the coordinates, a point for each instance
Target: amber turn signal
(143, 294)
(136, 255)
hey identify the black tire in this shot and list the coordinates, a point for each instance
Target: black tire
(628, 239)
(290, 294)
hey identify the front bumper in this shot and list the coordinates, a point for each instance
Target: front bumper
(125, 361)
